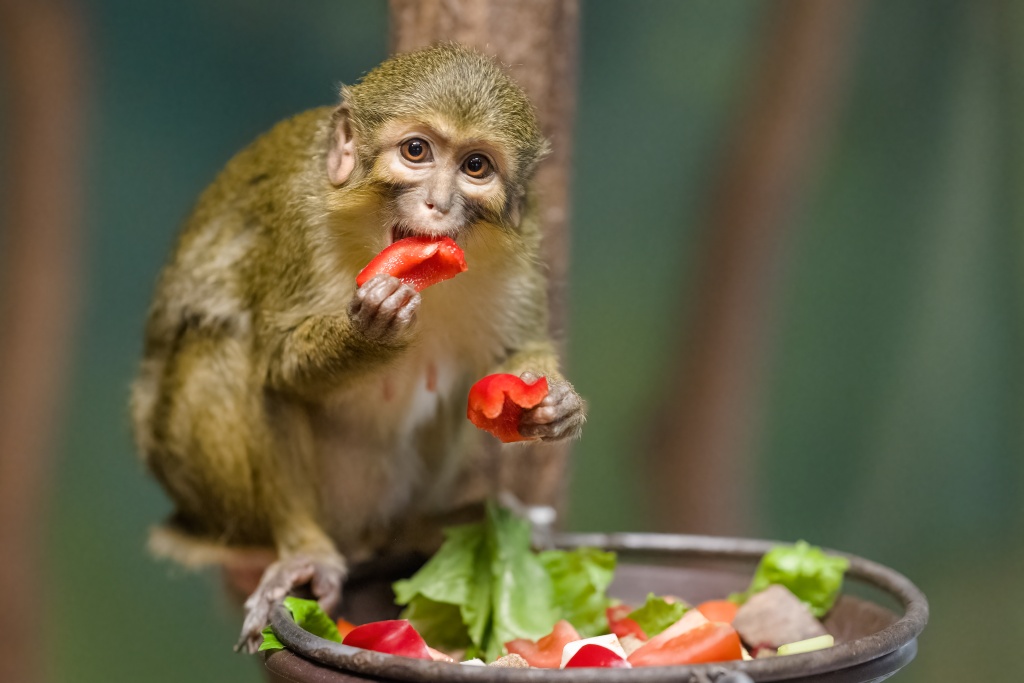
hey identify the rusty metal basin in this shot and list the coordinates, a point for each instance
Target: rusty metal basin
(875, 622)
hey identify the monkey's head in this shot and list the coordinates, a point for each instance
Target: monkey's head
(443, 136)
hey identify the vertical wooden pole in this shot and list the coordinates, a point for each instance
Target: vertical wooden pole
(538, 41)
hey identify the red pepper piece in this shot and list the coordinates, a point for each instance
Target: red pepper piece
(545, 653)
(393, 637)
(592, 654)
(719, 610)
(417, 261)
(621, 625)
(711, 642)
(497, 402)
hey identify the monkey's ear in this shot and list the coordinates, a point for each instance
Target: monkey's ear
(341, 157)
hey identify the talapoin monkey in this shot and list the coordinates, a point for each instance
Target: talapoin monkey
(293, 417)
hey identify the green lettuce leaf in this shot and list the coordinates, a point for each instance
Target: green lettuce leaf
(580, 578)
(658, 614)
(309, 616)
(483, 588)
(810, 574)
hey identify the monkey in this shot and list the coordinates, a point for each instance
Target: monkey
(299, 423)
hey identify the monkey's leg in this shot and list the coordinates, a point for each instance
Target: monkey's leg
(562, 412)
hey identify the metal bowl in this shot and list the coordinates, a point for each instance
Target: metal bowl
(872, 640)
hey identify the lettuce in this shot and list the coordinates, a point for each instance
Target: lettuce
(658, 614)
(485, 587)
(810, 574)
(309, 616)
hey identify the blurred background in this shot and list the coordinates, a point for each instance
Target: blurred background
(794, 303)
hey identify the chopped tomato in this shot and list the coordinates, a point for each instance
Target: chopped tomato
(393, 637)
(597, 655)
(691, 620)
(345, 627)
(497, 402)
(621, 625)
(711, 642)
(417, 261)
(719, 610)
(545, 653)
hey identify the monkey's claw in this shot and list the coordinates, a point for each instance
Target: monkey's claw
(559, 416)
(384, 308)
(324, 577)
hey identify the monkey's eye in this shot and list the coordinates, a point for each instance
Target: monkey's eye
(416, 150)
(477, 166)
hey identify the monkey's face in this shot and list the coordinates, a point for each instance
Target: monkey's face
(440, 182)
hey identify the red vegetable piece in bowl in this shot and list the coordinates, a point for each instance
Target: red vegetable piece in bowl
(497, 402)
(417, 261)
(710, 642)
(393, 637)
(621, 625)
(719, 610)
(545, 653)
(597, 655)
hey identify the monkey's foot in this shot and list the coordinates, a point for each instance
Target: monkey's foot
(559, 416)
(323, 575)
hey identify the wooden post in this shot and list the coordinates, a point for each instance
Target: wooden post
(537, 40)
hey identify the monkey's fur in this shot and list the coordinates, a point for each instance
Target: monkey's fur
(283, 409)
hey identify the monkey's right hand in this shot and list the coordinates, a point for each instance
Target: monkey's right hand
(384, 309)
(324, 576)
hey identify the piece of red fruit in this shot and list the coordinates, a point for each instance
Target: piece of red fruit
(497, 402)
(711, 642)
(545, 653)
(393, 637)
(719, 610)
(621, 625)
(597, 655)
(417, 261)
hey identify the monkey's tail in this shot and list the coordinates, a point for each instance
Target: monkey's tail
(171, 542)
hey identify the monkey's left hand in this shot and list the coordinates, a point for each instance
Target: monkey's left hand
(559, 416)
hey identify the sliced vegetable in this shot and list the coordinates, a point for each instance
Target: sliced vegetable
(497, 402)
(710, 642)
(811, 575)
(596, 655)
(393, 637)
(309, 616)
(417, 261)
(809, 645)
(657, 614)
(345, 627)
(609, 641)
(545, 653)
(719, 610)
(580, 578)
(621, 625)
(690, 621)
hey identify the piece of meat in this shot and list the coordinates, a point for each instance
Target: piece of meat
(775, 617)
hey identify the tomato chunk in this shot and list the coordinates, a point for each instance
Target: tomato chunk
(719, 610)
(545, 653)
(345, 627)
(417, 261)
(393, 637)
(621, 625)
(597, 655)
(497, 402)
(711, 642)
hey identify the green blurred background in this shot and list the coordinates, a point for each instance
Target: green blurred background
(894, 387)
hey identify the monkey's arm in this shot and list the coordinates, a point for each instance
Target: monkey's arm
(322, 350)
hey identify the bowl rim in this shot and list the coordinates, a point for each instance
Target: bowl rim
(679, 546)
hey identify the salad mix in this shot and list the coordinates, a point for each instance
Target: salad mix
(486, 596)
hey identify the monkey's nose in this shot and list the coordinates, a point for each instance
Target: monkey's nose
(434, 206)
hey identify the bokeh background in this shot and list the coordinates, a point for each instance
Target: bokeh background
(886, 418)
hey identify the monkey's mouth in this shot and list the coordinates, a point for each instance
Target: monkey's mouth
(400, 231)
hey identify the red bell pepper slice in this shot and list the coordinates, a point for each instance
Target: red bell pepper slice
(592, 654)
(545, 653)
(417, 261)
(723, 611)
(393, 637)
(711, 642)
(497, 402)
(621, 625)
